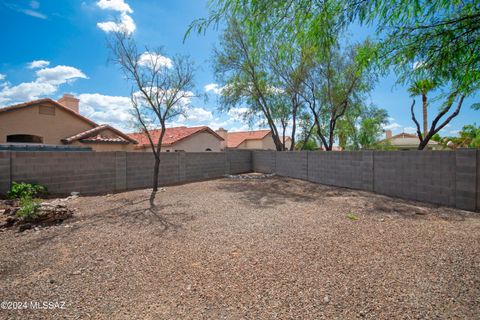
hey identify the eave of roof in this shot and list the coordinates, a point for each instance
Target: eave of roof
(85, 135)
(43, 101)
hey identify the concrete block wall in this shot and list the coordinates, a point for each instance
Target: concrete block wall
(342, 169)
(427, 176)
(84, 172)
(450, 178)
(104, 172)
(292, 164)
(264, 161)
(5, 178)
(238, 162)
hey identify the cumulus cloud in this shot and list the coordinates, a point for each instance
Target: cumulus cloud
(115, 5)
(25, 91)
(38, 64)
(2, 77)
(154, 60)
(46, 83)
(125, 24)
(197, 115)
(114, 110)
(213, 87)
(59, 75)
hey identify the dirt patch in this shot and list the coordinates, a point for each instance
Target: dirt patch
(260, 248)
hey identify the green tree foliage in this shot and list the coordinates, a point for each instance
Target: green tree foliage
(362, 128)
(435, 39)
(337, 84)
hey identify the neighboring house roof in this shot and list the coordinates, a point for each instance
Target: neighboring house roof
(403, 136)
(172, 135)
(234, 139)
(44, 101)
(89, 136)
(94, 136)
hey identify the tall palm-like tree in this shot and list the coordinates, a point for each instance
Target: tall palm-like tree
(422, 88)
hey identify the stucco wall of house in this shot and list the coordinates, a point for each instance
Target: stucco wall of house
(198, 142)
(411, 143)
(262, 144)
(52, 128)
(107, 147)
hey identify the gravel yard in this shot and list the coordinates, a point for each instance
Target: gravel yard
(256, 249)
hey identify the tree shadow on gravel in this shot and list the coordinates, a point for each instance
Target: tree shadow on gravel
(271, 192)
(145, 211)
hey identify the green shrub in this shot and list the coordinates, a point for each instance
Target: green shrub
(26, 190)
(28, 208)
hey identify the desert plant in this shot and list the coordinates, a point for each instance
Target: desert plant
(28, 208)
(26, 190)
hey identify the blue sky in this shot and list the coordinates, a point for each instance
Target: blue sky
(55, 47)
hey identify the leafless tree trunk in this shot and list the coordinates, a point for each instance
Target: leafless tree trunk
(434, 129)
(161, 89)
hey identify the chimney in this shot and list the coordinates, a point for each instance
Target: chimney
(69, 101)
(388, 134)
(222, 133)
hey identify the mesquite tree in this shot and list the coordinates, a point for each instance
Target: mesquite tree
(435, 127)
(334, 85)
(161, 88)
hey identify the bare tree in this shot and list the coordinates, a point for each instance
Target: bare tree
(161, 89)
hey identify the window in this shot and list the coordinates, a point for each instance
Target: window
(208, 149)
(24, 138)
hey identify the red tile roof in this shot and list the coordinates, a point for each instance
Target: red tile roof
(91, 135)
(172, 135)
(234, 139)
(94, 136)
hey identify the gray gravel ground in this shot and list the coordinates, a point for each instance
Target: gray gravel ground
(256, 249)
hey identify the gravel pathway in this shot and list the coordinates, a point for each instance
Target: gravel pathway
(256, 249)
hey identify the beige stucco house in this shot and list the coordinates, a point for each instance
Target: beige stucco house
(50, 122)
(188, 139)
(407, 141)
(257, 139)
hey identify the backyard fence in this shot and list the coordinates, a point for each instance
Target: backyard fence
(450, 178)
(105, 172)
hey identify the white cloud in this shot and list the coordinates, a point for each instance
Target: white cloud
(115, 5)
(47, 83)
(126, 25)
(114, 110)
(392, 126)
(197, 115)
(2, 77)
(154, 60)
(38, 64)
(213, 87)
(59, 75)
(26, 91)
(31, 10)
(410, 130)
